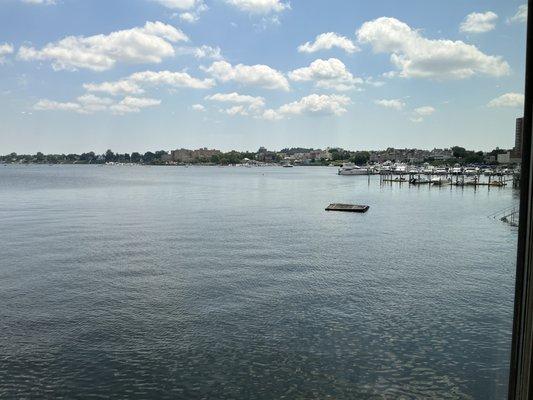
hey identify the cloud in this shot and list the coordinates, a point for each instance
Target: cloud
(508, 100)
(202, 52)
(133, 105)
(326, 41)
(236, 110)
(198, 107)
(5, 49)
(372, 82)
(415, 56)
(245, 105)
(193, 15)
(114, 88)
(135, 83)
(179, 4)
(479, 22)
(148, 44)
(252, 102)
(424, 111)
(252, 75)
(520, 16)
(44, 2)
(89, 104)
(421, 112)
(259, 6)
(328, 74)
(174, 79)
(396, 104)
(313, 104)
(45, 104)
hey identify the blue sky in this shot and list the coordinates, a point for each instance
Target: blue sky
(137, 75)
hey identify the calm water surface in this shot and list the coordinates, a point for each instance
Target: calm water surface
(234, 283)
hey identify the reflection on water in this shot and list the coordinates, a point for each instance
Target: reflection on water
(228, 283)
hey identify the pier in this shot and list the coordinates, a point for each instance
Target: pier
(449, 179)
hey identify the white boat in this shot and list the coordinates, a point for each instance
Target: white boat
(456, 170)
(400, 169)
(471, 171)
(352, 169)
(440, 171)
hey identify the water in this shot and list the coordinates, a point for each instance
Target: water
(234, 283)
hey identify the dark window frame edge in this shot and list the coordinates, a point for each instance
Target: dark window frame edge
(521, 368)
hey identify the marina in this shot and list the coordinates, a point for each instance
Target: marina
(442, 176)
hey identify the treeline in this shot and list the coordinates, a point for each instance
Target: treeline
(149, 158)
(87, 158)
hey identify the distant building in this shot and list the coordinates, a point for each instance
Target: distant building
(508, 157)
(504, 158)
(441, 154)
(519, 133)
(185, 155)
(264, 155)
(166, 157)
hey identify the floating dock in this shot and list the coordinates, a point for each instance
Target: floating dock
(347, 207)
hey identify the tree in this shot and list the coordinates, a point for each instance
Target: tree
(360, 157)
(109, 156)
(88, 157)
(135, 157)
(148, 157)
(459, 152)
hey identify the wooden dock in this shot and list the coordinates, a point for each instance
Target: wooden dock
(347, 207)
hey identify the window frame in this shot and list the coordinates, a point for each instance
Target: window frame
(521, 367)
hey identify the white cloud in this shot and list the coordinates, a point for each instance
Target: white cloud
(479, 22)
(253, 75)
(372, 82)
(136, 83)
(89, 103)
(327, 41)
(133, 105)
(329, 74)
(114, 88)
(236, 110)
(45, 105)
(193, 16)
(5, 49)
(44, 2)
(174, 79)
(251, 101)
(202, 52)
(396, 104)
(520, 16)
(271, 115)
(198, 107)
(313, 104)
(424, 110)
(148, 44)
(421, 112)
(179, 4)
(245, 105)
(259, 6)
(508, 100)
(415, 56)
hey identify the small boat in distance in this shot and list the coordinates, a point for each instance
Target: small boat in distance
(352, 169)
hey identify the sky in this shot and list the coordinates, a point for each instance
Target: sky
(139, 75)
